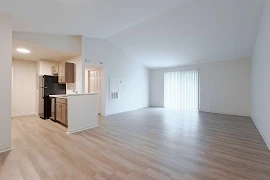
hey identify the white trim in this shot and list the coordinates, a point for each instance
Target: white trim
(265, 140)
(125, 111)
(6, 149)
(102, 114)
(157, 107)
(231, 114)
(82, 129)
(21, 115)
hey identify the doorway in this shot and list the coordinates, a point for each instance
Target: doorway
(95, 84)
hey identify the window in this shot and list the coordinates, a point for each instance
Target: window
(181, 90)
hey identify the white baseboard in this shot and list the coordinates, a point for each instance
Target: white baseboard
(5, 149)
(157, 107)
(20, 115)
(265, 140)
(214, 112)
(231, 114)
(124, 111)
(82, 129)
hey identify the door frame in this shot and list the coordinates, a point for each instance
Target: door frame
(102, 94)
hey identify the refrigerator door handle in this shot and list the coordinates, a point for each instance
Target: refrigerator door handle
(43, 91)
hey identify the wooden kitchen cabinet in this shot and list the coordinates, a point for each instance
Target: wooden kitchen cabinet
(55, 70)
(64, 114)
(58, 112)
(66, 73)
(61, 111)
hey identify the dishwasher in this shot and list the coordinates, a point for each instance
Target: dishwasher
(53, 109)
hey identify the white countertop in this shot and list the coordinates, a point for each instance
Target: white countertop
(84, 94)
(64, 96)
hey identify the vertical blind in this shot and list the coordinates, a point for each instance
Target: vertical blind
(181, 90)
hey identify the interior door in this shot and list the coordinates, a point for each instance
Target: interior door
(95, 85)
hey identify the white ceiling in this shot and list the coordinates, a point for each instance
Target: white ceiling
(38, 52)
(195, 32)
(160, 33)
(91, 18)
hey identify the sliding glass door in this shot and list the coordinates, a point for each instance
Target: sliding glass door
(181, 90)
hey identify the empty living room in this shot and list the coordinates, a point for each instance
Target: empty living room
(135, 90)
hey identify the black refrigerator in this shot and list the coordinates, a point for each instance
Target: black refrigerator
(48, 85)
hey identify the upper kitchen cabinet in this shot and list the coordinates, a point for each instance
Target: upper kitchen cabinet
(66, 73)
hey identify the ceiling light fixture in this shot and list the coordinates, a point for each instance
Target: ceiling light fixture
(23, 50)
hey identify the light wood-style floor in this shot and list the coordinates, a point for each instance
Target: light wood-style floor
(143, 144)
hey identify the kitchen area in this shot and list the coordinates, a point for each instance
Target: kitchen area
(75, 111)
(47, 82)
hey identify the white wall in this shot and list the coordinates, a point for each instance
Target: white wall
(82, 112)
(260, 77)
(224, 86)
(45, 67)
(23, 88)
(5, 79)
(134, 89)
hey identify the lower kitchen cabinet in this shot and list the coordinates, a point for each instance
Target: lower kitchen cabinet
(58, 112)
(61, 111)
(64, 114)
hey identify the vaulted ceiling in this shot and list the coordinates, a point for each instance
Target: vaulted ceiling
(195, 32)
(91, 18)
(159, 33)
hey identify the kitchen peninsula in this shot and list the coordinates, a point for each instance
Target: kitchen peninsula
(76, 111)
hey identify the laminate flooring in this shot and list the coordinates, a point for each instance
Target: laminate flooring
(147, 144)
